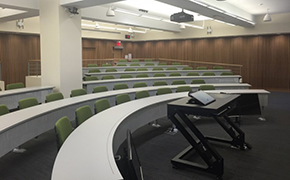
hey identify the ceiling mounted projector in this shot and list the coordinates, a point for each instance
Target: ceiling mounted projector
(181, 17)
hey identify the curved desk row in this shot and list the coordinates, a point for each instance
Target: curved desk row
(117, 75)
(142, 63)
(122, 68)
(89, 85)
(18, 127)
(11, 97)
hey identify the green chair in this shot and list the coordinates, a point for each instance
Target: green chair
(148, 60)
(91, 78)
(129, 69)
(160, 83)
(82, 114)
(53, 97)
(142, 69)
(159, 75)
(124, 76)
(142, 94)
(122, 98)
(120, 86)
(28, 102)
(101, 105)
(171, 69)
(121, 65)
(208, 74)
(201, 68)
(107, 77)
(92, 65)
(176, 64)
(111, 70)
(178, 82)
(187, 68)
(142, 75)
(78, 92)
(206, 87)
(162, 91)
(94, 71)
(192, 74)
(149, 64)
(14, 86)
(175, 74)
(63, 129)
(218, 67)
(106, 65)
(183, 89)
(3, 109)
(162, 64)
(123, 60)
(134, 60)
(197, 81)
(139, 84)
(157, 69)
(99, 89)
(227, 73)
(135, 64)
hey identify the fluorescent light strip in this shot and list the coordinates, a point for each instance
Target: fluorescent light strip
(88, 25)
(139, 31)
(216, 9)
(126, 12)
(193, 26)
(230, 24)
(150, 17)
(120, 29)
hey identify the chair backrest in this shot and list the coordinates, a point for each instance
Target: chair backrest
(148, 60)
(192, 74)
(123, 60)
(175, 74)
(106, 65)
(126, 76)
(135, 64)
(183, 89)
(159, 75)
(101, 105)
(120, 86)
(111, 70)
(178, 82)
(208, 74)
(129, 69)
(201, 68)
(14, 86)
(108, 77)
(94, 71)
(77, 92)
(159, 83)
(162, 64)
(63, 129)
(142, 94)
(121, 64)
(91, 78)
(149, 64)
(54, 97)
(3, 109)
(134, 60)
(99, 89)
(82, 114)
(139, 84)
(176, 64)
(172, 68)
(197, 81)
(27, 102)
(218, 67)
(206, 87)
(227, 73)
(157, 69)
(142, 69)
(92, 65)
(122, 98)
(141, 75)
(187, 68)
(161, 91)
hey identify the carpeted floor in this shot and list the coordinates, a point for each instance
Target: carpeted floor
(269, 158)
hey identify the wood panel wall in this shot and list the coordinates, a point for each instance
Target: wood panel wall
(265, 59)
